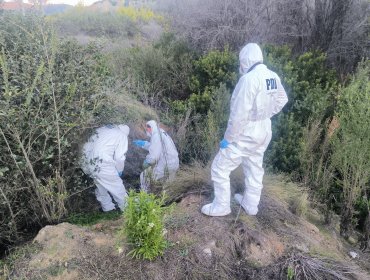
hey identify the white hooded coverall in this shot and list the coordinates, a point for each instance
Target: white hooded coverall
(163, 156)
(257, 96)
(103, 158)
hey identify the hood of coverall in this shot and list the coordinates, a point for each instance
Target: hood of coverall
(249, 56)
(124, 128)
(153, 124)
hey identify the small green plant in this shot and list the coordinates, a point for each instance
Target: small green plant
(290, 273)
(144, 225)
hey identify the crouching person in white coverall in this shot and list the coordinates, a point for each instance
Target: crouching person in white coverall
(104, 160)
(257, 96)
(162, 161)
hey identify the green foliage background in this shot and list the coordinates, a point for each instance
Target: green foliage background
(350, 146)
(50, 93)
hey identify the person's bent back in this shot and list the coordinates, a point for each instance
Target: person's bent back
(104, 160)
(162, 161)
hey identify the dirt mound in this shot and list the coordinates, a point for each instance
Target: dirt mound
(61, 247)
(237, 246)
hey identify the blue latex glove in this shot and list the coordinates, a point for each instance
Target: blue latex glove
(224, 144)
(140, 143)
(120, 173)
(145, 164)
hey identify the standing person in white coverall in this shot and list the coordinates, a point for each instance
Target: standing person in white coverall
(104, 160)
(162, 161)
(258, 96)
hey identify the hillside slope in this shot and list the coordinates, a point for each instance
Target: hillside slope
(268, 246)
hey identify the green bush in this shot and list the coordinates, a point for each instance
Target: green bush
(336, 154)
(143, 14)
(144, 225)
(201, 118)
(210, 71)
(198, 134)
(311, 89)
(351, 144)
(214, 68)
(213, 126)
(156, 73)
(284, 151)
(50, 94)
(92, 218)
(169, 74)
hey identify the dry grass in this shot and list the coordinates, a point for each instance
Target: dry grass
(281, 188)
(299, 266)
(299, 204)
(127, 106)
(190, 179)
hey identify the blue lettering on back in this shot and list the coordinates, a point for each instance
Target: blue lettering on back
(271, 84)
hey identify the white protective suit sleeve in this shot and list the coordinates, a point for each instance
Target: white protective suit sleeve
(280, 99)
(240, 107)
(120, 154)
(155, 149)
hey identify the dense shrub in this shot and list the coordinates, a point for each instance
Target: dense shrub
(311, 89)
(351, 144)
(158, 72)
(50, 92)
(213, 68)
(336, 154)
(205, 130)
(201, 118)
